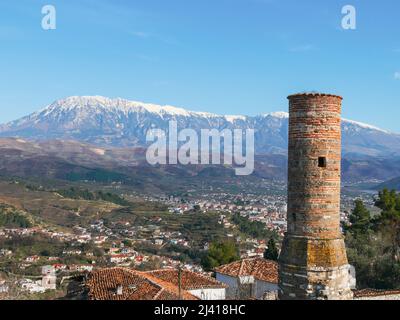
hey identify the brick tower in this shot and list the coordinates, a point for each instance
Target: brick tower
(313, 262)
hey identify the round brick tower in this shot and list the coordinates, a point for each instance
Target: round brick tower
(313, 262)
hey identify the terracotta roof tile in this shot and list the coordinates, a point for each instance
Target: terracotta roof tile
(363, 293)
(190, 280)
(103, 284)
(261, 269)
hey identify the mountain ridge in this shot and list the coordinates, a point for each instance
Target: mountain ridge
(122, 123)
(135, 105)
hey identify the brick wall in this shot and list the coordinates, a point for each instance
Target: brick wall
(313, 262)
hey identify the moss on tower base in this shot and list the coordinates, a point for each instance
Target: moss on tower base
(314, 269)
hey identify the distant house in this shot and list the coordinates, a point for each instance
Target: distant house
(120, 258)
(49, 282)
(49, 278)
(48, 270)
(5, 252)
(249, 278)
(72, 252)
(158, 242)
(59, 266)
(32, 286)
(53, 258)
(80, 267)
(32, 259)
(203, 287)
(3, 287)
(100, 239)
(114, 250)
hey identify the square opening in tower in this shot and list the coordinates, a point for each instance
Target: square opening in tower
(322, 162)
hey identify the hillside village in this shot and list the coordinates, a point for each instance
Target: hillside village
(141, 244)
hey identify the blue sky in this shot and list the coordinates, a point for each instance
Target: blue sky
(222, 56)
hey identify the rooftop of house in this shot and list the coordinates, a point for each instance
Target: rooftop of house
(103, 284)
(365, 293)
(260, 269)
(189, 280)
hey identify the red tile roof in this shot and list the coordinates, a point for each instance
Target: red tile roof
(189, 280)
(364, 293)
(103, 284)
(260, 269)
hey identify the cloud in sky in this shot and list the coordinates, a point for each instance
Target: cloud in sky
(397, 75)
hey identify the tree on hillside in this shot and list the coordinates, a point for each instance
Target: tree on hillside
(374, 243)
(387, 200)
(220, 253)
(360, 218)
(271, 253)
(388, 222)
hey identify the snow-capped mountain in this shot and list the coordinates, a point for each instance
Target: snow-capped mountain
(118, 122)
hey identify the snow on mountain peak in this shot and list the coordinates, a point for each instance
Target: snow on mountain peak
(118, 104)
(80, 112)
(233, 118)
(365, 125)
(120, 122)
(278, 114)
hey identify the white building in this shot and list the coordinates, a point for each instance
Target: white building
(249, 278)
(49, 282)
(120, 258)
(80, 267)
(49, 278)
(5, 252)
(48, 270)
(32, 286)
(3, 287)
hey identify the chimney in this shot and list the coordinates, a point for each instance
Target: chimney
(120, 290)
(313, 262)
